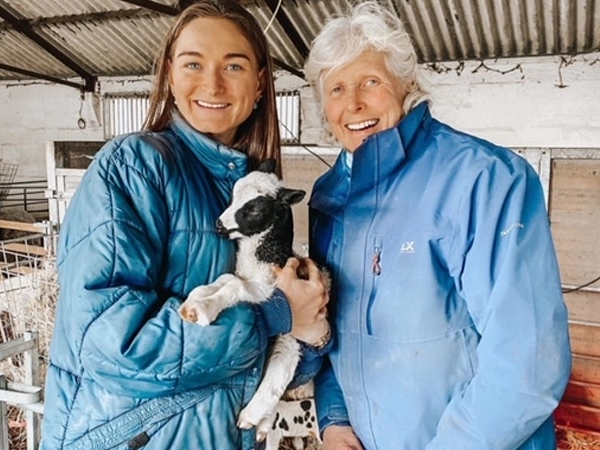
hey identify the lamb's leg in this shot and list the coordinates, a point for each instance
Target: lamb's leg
(280, 370)
(204, 303)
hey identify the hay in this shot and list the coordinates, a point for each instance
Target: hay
(309, 443)
(17, 429)
(572, 439)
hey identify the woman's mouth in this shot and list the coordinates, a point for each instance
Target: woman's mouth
(362, 125)
(211, 105)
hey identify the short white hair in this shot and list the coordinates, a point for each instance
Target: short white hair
(367, 27)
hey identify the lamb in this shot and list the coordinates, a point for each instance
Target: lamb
(260, 219)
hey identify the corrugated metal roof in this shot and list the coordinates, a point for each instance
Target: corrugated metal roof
(87, 38)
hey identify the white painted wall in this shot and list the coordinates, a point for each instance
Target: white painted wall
(32, 113)
(524, 107)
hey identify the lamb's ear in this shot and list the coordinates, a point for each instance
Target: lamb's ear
(268, 166)
(290, 196)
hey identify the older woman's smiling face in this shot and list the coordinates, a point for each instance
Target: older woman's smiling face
(361, 99)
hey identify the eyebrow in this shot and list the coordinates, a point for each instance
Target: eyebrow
(227, 56)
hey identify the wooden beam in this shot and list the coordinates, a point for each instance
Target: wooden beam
(23, 26)
(25, 249)
(20, 226)
(289, 28)
(41, 76)
(279, 63)
(153, 6)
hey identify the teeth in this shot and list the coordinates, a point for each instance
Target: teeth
(212, 105)
(362, 125)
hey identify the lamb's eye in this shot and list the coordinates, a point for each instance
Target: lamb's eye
(252, 210)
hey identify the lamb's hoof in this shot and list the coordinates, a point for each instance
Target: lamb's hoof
(263, 428)
(195, 314)
(246, 421)
(260, 435)
(244, 425)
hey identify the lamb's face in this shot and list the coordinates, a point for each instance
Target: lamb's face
(252, 207)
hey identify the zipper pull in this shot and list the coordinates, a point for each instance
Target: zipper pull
(375, 261)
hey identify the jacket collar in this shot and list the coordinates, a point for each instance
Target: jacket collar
(378, 157)
(221, 160)
(380, 154)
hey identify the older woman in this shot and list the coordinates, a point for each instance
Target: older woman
(126, 372)
(451, 326)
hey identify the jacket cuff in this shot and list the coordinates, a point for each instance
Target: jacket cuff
(274, 316)
(334, 416)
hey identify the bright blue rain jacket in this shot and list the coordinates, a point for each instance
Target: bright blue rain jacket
(126, 371)
(451, 328)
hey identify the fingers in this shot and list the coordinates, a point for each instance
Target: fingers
(313, 271)
(288, 270)
(304, 268)
(292, 263)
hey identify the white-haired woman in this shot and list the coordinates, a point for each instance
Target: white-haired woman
(450, 323)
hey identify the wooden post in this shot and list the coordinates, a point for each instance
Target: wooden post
(32, 377)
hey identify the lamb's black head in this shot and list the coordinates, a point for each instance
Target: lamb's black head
(259, 201)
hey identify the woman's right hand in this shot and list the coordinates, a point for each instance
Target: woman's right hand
(308, 299)
(337, 437)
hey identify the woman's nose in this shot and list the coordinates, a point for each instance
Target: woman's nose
(355, 100)
(213, 82)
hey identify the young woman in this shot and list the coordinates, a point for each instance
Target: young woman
(126, 371)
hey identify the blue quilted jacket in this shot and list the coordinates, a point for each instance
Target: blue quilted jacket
(125, 371)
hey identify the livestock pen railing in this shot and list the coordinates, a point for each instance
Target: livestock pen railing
(28, 196)
(22, 396)
(28, 290)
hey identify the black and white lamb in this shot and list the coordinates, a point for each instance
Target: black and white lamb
(260, 219)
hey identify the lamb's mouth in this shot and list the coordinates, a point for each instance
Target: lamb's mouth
(222, 230)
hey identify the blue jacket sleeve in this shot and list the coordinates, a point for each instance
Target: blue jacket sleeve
(506, 270)
(117, 321)
(275, 318)
(329, 399)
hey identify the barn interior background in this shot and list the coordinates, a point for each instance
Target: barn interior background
(73, 74)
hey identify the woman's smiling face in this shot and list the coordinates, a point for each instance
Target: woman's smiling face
(361, 99)
(214, 77)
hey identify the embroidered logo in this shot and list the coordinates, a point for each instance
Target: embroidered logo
(511, 228)
(408, 247)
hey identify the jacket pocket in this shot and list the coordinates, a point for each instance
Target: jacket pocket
(150, 415)
(411, 295)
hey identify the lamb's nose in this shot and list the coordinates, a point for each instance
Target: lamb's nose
(221, 230)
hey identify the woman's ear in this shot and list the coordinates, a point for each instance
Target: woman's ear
(170, 75)
(262, 81)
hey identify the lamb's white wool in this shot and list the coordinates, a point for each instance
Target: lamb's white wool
(259, 204)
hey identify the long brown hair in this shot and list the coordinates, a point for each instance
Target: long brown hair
(258, 136)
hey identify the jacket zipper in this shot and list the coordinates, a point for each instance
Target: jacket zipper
(376, 271)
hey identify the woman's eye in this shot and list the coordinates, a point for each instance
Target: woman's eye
(371, 82)
(336, 90)
(234, 67)
(192, 65)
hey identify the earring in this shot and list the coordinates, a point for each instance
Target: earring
(256, 103)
